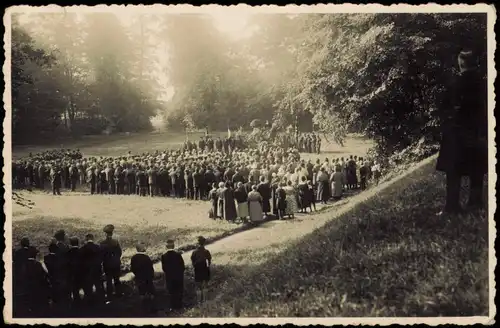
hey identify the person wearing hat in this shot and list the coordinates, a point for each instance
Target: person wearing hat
(464, 144)
(201, 259)
(173, 266)
(111, 261)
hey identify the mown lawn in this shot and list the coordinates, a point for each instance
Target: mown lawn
(389, 256)
(117, 145)
(136, 219)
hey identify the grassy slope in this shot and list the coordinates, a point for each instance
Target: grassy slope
(389, 256)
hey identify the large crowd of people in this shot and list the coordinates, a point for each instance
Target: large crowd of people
(248, 184)
(245, 184)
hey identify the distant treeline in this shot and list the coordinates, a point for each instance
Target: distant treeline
(383, 75)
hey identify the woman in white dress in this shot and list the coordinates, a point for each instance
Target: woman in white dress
(291, 200)
(255, 205)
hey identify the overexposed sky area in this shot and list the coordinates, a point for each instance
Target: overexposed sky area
(233, 22)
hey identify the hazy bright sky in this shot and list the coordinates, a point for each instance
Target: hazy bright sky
(230, 21)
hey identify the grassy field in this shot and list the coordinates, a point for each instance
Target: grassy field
(151, 220)
(118, 145)
(389, 256)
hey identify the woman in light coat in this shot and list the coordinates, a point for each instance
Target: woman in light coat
(291, 200)
(338, 180)
(255, 205)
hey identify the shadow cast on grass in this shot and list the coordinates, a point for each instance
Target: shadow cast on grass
(389, 256)
(130, 304)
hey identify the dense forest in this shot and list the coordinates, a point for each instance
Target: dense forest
(383, 75)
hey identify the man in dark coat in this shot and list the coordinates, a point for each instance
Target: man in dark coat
(36, 284)
(173, 267)
(20, 259)
(92, 179)
(237, 177)
(131, 180)
(188, 178)
(91, 256)
(73, 175)
(66, 175)
(55, 179)
(57, 269)
(119, 177)
(265, 191)
(173, 182)
(198, 184)
(464, 144)
(74, 269)
(110, 178)
(111, 261)
(142, 268)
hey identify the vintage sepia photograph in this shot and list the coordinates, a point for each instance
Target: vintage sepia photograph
(309, 165)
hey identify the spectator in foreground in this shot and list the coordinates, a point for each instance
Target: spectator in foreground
(201, 260)
(112, 254)
(142, 268)
(173, 266)
(464, 145)
(74, 264)
(37, 285)
(91, 256)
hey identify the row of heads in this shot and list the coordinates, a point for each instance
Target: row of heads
(60, 236)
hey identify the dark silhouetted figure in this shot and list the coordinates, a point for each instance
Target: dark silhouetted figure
(464, 144)
(91, 256)
(201, 260)
(111, 257)
(173, 267)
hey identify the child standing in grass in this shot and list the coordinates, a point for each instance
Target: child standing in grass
(201, 260)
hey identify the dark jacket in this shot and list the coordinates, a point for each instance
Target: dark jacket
(91, 256)
(173, 265)
(464, 122)
(111, 254)
(142, 267)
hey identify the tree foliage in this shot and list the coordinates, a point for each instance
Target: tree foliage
(383, 75)
(79, 77)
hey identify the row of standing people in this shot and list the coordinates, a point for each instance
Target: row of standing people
(55, 283)
(286, 194)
